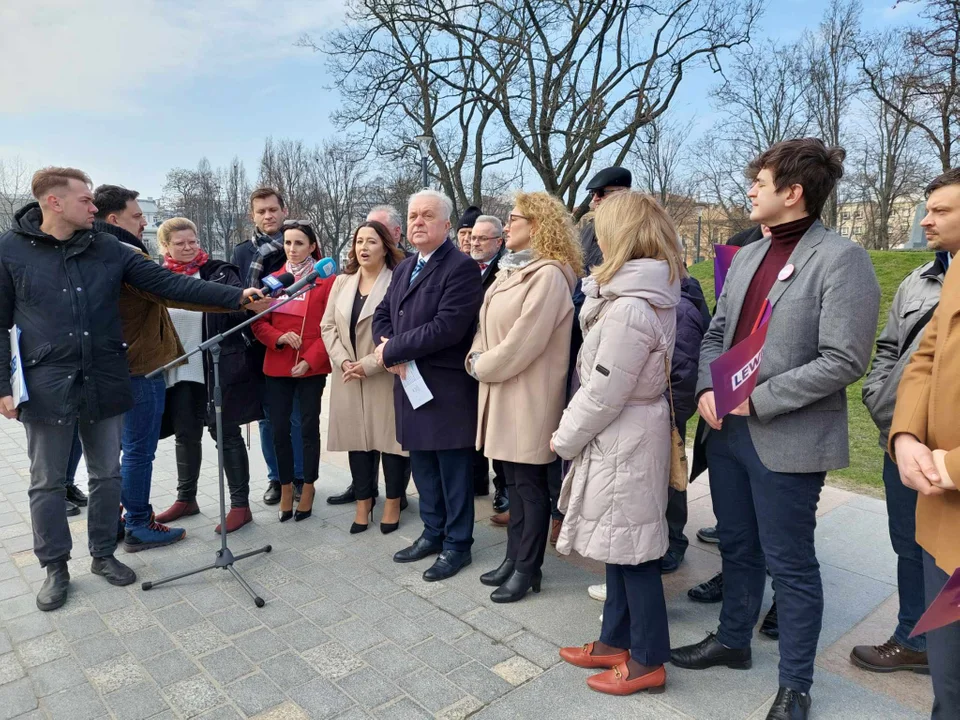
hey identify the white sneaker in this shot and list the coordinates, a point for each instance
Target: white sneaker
(598, 592)
(601, 617)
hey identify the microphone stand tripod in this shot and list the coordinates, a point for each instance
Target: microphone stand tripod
(224, 558)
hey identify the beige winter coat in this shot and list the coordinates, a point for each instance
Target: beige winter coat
(524, 337)
(617, 426)
(361, 411)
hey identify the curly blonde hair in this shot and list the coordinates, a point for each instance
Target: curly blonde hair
(553, 237)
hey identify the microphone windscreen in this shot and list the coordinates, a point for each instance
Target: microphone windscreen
(325, 268)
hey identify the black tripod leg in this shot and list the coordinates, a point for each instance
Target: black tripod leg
(266, 549)
(156, 583)
(257, 600)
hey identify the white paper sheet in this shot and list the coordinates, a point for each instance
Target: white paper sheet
(414, 386)
(17, 382)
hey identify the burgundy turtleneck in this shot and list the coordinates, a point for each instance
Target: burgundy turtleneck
(783, 240)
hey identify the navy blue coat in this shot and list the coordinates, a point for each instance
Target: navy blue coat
(693, 319)
(433, 322)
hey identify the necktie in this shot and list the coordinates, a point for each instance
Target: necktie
(483, 266)
(416, 271)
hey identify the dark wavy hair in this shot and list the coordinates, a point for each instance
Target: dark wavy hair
(807, 162)
(393, 254)
(306, 229)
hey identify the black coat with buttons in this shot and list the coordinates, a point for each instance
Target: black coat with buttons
(64, 298)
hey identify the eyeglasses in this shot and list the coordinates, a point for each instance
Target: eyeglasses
(484, 238)
(598, 193)
(513, 218)
(180, 245)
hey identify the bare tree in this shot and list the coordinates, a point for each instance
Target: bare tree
(15, 180)
(832, 81)
(932, 78)
(230, 205)
(660, 156)
(338, 196)
(215, 200)
(558, 83)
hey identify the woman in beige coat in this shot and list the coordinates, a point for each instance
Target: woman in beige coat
(616, 430)
(361, 406)
(520, 356)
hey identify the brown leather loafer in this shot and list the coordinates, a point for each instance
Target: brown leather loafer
(889, 657)
(583, 657)
(615, 682)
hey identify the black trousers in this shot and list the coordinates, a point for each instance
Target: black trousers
(555, 485)
(365, 466)
(279, 399)
(481, 474)
(186, 404)
(943, 650)
(529, 515)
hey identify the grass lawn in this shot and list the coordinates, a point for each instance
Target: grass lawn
(866, 457)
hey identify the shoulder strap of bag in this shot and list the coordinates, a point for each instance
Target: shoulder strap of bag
(666, 368)
(918, 328)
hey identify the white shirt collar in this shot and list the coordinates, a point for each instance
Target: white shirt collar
(426, 257)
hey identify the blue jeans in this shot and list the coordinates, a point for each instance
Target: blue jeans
(76, 452)
(902, 519)
(766, 519)
(141, 433)
(266, 442)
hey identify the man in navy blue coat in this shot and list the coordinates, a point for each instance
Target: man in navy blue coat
(429, 315)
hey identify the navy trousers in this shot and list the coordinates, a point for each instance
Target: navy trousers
(444, 479)
(943, 650)
(902, 521)
(635, 613)
(765, 516)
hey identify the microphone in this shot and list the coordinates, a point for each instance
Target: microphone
(273, 285)
(321, 269)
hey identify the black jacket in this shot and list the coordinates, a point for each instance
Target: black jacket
(244, 253)
(64, 297)
(490, 274)
(746, 237)
(693, 319)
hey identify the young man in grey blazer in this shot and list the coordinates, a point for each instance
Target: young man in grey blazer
(769, 458)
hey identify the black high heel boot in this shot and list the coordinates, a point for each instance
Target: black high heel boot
(357, 527)
(496, 578)
(516, 586)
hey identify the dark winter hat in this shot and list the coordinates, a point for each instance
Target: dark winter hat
(469, 217)
(610, 177)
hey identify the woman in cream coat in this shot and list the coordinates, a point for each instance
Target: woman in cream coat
(616, 430)
(520, 356)
(361, 406)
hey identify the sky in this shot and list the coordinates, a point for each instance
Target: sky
(128, 90)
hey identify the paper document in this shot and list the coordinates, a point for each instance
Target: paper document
(416, 389)
(18, 383)
(944, 610)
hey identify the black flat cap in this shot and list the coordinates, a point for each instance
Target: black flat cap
(610, 177)
(469, 217)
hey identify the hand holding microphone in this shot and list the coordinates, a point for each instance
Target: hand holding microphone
(271, 286)
(322, 270)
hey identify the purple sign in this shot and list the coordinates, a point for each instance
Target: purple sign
(735, 372)
(722, 259)
(944, 610)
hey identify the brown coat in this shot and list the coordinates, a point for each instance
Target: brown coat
(361, 412)
(524, 338)
(928, 407)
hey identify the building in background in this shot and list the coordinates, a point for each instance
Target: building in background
(861, 222)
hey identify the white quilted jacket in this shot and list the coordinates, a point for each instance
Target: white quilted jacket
(616, 428)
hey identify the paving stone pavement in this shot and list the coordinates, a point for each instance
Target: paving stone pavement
(348, 634)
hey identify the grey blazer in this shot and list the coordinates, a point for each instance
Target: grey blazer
(819, 341)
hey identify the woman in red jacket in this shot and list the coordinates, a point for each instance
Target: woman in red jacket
(296, 362)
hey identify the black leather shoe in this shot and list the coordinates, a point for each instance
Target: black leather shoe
(771, 624)
(344, 498)
(710, 653)
(447, 565)
(76, 496)
(420, 549)
(113, 571)
(53, 592)
(516, 587)
(403, 503)
(670, 562)
(272, 495)
(790, 705)
(72, 509)
(500, 502)
(496, 578)
(710, 591)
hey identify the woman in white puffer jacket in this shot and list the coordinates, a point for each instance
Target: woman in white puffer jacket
(616, 430)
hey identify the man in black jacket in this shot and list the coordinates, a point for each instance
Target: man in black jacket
(60, 285)
(260, 256)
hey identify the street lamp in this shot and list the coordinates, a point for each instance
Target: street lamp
(699, 226)
(423, 141)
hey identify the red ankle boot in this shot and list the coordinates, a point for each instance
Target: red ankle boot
(178, 510)
(236, 519)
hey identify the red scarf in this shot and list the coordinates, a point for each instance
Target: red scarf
(186, 268)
